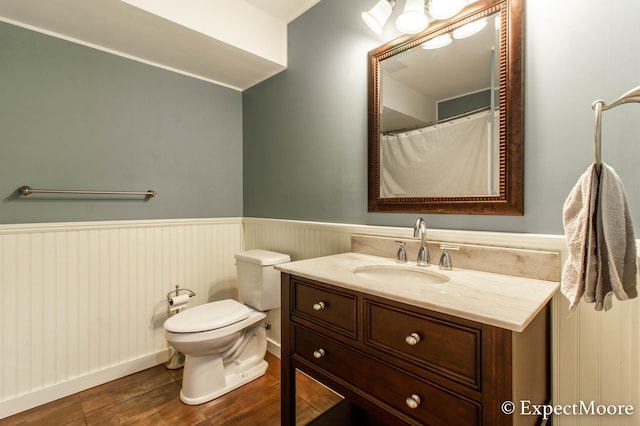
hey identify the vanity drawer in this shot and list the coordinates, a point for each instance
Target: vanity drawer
(332, 309)
(387, 386)
(449, 349)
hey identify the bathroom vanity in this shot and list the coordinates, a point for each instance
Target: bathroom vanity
(447, 350)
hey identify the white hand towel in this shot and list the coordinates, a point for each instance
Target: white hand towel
(577, 216)
(616, 245)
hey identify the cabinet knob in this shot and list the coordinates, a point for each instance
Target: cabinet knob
(412, 339)
(319, 353)
(413, 401)
(318, 306)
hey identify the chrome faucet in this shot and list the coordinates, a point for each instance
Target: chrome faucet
(420, 229)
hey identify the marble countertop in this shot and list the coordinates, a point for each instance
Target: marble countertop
(504, 301)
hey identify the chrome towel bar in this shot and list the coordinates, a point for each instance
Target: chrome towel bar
(598, 106)
(27, 190)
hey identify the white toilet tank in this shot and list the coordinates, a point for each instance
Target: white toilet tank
(258, 281)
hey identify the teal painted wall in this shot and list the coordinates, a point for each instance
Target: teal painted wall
(305, 130)
(72, 117)
(294, 146)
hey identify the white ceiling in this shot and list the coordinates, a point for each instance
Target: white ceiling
(234, 43)
(285, 10)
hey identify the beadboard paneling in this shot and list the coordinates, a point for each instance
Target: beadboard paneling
(300, 240)
(595, 355)
(80, 300)
(84, 303)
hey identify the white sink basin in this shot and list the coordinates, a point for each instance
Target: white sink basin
(400, 274)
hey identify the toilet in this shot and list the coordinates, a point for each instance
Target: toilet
(224, 342)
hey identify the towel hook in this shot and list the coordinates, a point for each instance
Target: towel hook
(598, 106)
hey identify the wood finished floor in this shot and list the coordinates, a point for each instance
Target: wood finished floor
(151, 397)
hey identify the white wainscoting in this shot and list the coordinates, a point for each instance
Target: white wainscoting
(84, 303)
(595, 355)
(304, 240)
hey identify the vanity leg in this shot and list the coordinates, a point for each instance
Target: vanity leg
(287, 371)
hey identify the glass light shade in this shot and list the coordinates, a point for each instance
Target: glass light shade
(470, 29)
(445, 9)
(438, 42)
(376, 17)
(413, 20)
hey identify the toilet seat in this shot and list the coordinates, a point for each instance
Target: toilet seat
(210, 316)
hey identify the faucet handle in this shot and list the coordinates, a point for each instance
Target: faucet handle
(424, 258)
(401, 256)
(445, 260)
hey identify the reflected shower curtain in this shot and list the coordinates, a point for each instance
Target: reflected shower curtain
(455, 158)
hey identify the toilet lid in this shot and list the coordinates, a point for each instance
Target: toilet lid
(209, 316)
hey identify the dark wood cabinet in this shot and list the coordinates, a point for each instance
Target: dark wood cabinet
(409, 365)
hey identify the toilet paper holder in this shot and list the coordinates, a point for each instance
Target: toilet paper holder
(176, 293)
(176, 360)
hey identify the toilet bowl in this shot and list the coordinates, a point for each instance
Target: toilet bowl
(224, 342)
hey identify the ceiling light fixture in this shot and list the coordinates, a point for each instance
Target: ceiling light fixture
(413, 19)
(377, 16)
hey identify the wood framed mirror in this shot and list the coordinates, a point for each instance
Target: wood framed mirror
(420, 99)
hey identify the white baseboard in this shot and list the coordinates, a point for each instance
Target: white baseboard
(273, 347)
(60, 390)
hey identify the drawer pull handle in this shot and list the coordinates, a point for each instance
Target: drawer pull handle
(412, 339)
(318, 306)
(413, 401)
(319, 353)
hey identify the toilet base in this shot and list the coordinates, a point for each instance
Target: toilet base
(208, 376)
(176, 360)
(233, 381)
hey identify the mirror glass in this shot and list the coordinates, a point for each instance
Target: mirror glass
(445, 117)
(442, 128)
